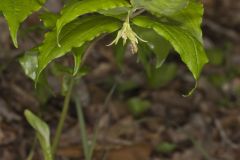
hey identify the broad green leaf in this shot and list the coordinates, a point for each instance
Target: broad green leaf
(49, 19)
(120, 12)
(74, 10)
(156, 43)
(29, 62)
(184, 42)
(190, 18)
(16, 11)
(115, 11)
(161, 7)
(78, 55)
(74, 35)
(42, 132)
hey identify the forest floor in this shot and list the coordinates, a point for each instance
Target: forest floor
(168, 126)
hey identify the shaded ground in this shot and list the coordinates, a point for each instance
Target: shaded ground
(205, 126)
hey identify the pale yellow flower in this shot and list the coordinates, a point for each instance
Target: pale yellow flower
(126, 33)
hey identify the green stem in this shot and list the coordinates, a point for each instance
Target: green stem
(83, 130)
(31, 154)
(62, 117)
(88, 148)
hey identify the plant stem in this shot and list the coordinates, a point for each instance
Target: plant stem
(62, 117)
(88, 148)
(83, 130)
(31, 154)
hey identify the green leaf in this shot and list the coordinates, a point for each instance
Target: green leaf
(74, 10)
(16, 11)
(184, 42)
(115, 11)
(156, 43)
(49, 19)
(42, 132)
(120, 12)
(74, 35)
(161, 7)
(29, 62)
(190, 18)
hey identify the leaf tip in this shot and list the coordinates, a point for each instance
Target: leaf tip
(15, 44)
(14, 39)
(26, 112)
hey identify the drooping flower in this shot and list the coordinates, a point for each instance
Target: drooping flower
(126, 33)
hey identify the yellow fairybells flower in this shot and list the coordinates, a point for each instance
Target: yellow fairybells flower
(126, 33)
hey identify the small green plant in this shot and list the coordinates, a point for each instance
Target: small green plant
(149, 27)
